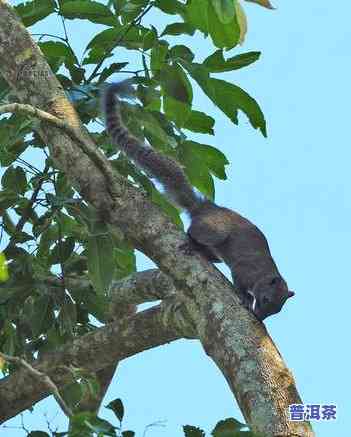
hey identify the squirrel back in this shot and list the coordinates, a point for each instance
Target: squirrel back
(218, 233)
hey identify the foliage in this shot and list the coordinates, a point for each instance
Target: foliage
(50, 234)
(90, 425)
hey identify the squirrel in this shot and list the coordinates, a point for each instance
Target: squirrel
(218, 233)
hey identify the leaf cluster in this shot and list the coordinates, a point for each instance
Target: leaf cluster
(90, 425)
(51, 236)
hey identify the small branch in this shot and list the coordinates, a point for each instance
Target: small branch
(42, 378)
(136, 20)
(22, 221)
(94, 154)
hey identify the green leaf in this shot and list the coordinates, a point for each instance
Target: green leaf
(176, 110)
(39, 314)
(200, 122)
(178, 29)
(228, 97)
(196, 170)
(14, 179)
(214, 159)
(172, 7)
(105, 39)
(134, 39)
(33, 11)
(12, 133)
(166, 206)
(152, 124)
(22, 237)
(225, 10)
(62, 251)
(228, 428)
(106, 72)
(4, 274)
(192, 431)
(130, 9)
(117, 407)
(196, 15)
(180, 52)
(57, 50)
(224, 35)
(88, 10)
(216, 63)
(150, 39)
(8, 333)
(101, 265)
(175, 83)
(242, 21)
(158, 57)
(125, 260)
(7, 293)
(72, 394)
(48, 236)
(8, 199)
(96, 54)
(128, 433)
(101, 427)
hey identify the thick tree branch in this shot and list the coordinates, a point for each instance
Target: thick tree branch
(92, 401)
(92, 352)
(140, 287)
(237, 342)
(41, 378)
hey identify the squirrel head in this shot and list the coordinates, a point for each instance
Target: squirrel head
(268, 296)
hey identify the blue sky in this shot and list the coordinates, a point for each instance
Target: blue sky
(295, 186)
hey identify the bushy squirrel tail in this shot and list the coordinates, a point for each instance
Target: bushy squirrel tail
(166, 170)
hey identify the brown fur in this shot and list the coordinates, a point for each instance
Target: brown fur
(218, 233)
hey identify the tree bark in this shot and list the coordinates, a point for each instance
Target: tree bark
(231, 336)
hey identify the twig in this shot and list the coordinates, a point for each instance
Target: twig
(22, 221)
(94, 154)
(43, 378)
(48, 35)
(136, 20)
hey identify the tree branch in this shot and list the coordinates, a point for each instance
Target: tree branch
(41, 378)
(140, 287)
(92, 352)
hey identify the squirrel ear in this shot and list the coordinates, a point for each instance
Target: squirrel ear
(291, 294)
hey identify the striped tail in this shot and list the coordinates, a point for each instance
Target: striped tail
(166, 170)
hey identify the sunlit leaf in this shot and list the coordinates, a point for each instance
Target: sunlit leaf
(4, 274)
(225, 10)
(224, 35)
(242, 21)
